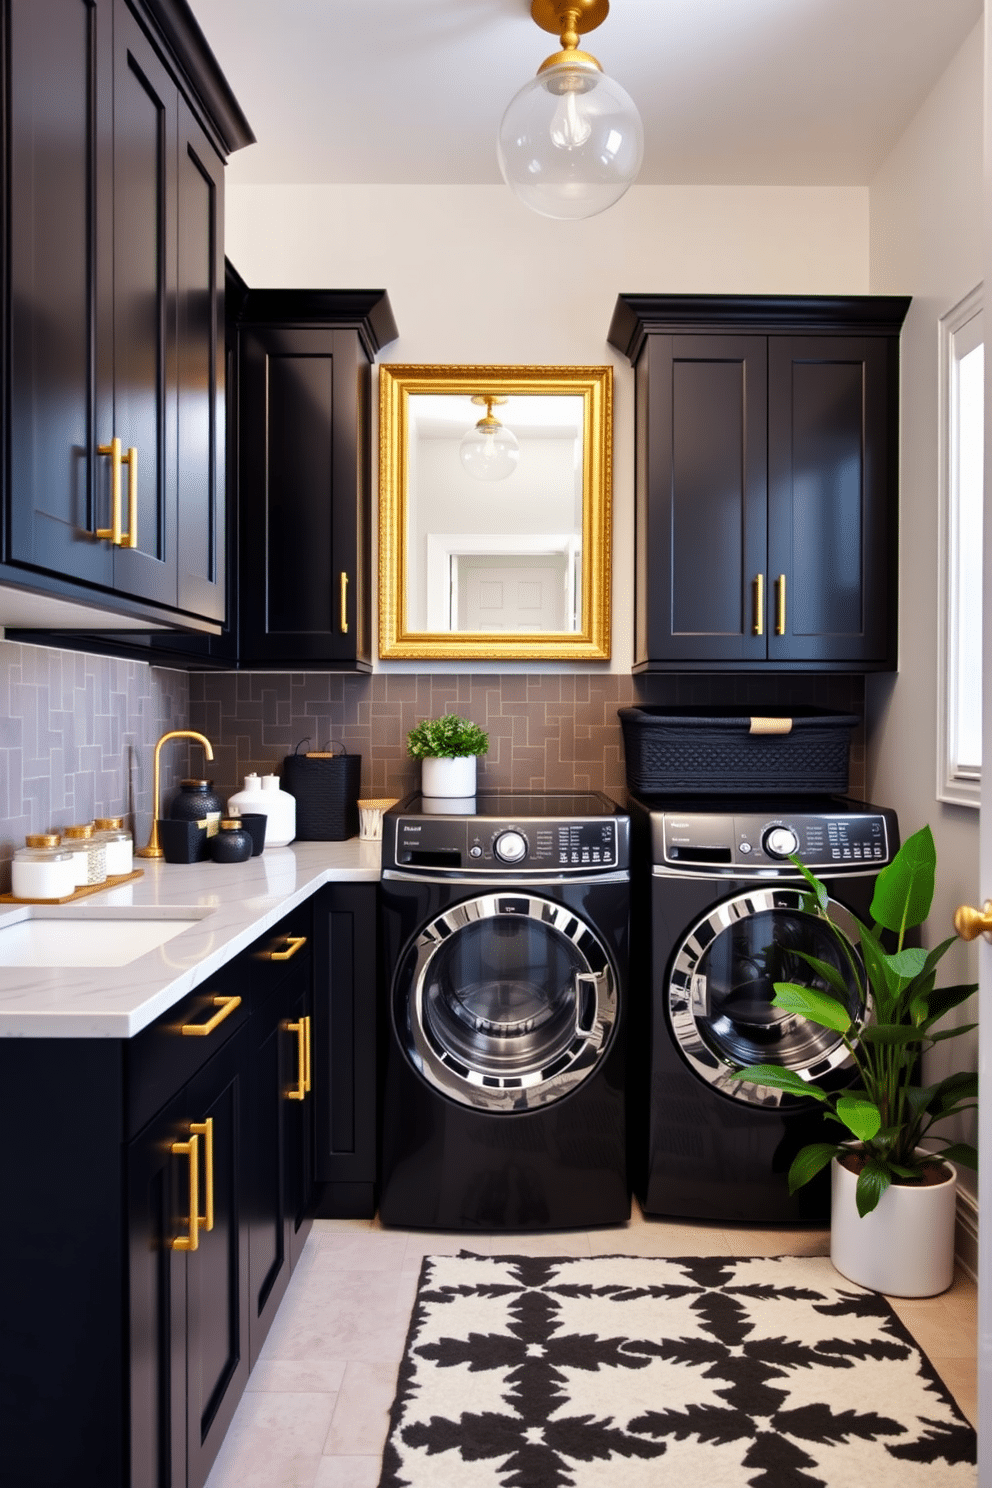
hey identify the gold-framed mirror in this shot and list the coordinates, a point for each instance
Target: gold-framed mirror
(495, 511)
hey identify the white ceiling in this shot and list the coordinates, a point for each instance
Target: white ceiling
(748, 92)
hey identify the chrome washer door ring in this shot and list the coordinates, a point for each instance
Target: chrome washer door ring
(721, 989)
(506, 1001)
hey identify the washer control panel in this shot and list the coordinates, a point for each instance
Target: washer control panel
(509, 846)
(844, 840)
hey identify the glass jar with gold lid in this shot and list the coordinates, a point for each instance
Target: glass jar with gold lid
(111, 831)
(89, 855)
(42, 868)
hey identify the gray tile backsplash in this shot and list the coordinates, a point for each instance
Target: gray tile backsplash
(78, 732)
(77, 736)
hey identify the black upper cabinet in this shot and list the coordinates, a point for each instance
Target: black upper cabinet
(303, 478)
(766, 480)
(115, 199)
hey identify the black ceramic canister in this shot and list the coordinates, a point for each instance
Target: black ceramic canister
(196, 800)
(231, 843)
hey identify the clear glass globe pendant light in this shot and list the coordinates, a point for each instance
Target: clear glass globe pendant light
(489, 451)
(571, 140)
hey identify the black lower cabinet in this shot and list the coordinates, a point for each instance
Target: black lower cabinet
(344, 1052)
(162, 1191)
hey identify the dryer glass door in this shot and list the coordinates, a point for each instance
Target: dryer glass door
(721, 990)
(506, 1001)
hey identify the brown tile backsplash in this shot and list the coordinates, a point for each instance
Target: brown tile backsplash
(77, 732)
(546, 731)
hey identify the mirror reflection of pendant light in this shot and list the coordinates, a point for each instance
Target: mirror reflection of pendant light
(571, 140)
(489, 451)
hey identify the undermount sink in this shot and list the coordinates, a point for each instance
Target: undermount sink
(65, 935)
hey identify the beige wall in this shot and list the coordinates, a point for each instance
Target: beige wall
(474, 277)
(925, 240)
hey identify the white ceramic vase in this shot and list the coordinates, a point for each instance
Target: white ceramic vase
(905, 1246)
(279, 806)
(448, 777)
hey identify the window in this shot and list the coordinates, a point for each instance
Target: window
(959, 710)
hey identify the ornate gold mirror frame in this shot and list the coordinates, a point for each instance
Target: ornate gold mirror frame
(565, 465)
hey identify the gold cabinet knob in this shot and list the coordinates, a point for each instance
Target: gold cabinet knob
(970, 923)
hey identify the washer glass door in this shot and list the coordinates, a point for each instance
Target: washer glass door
(506, 1001)
(721, 988)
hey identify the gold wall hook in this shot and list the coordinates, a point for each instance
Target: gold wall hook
(153, 849)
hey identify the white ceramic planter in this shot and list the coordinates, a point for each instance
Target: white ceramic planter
(905, 1246)
(448, 777)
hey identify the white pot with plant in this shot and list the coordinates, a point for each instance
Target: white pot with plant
(448, 749)
(892, 1200)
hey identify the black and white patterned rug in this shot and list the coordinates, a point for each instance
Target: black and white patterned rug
(624, 1372)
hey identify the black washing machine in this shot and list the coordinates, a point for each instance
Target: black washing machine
(505, 942)
(719, 916)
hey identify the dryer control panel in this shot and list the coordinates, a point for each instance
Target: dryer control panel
(842, 840)
(505, 844)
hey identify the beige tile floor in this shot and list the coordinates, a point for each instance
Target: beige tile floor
(316, 1409)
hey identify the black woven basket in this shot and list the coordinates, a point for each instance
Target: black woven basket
(326, 787)
(694, 750)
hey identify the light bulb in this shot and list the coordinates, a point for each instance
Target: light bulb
(569, 128)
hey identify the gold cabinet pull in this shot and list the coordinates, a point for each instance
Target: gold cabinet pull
(344, 604)
(293, 944)
(225, 1007)
(759, 604)
(302, 1030)
(115, 532)
(190, 1149)
(780, 605)
(309, 1066)
(970, 923)
(130, 539)
(205, 1129)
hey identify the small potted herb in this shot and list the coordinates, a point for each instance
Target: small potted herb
(447, 749)
(892, 1201)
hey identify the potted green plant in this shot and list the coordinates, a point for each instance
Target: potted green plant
(892, 1201)
(447, 749)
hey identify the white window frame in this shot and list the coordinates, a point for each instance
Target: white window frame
(960, 330)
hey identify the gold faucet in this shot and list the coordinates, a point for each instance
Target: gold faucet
(153, 850)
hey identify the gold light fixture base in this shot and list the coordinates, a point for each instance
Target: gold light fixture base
(553, 15)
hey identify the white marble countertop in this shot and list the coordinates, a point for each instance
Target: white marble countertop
(244, 900)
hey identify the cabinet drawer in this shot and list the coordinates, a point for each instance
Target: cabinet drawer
(280, 952)
(163, 1057)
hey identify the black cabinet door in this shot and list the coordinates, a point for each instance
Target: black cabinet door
(301, 589)
(701, 539)
(60, 83)
(201, 367)
(345, 1021)
(158, 1213)
(189, 1304)
(281, 1161)
(145, 124)
(831, 520)
(217, 1325)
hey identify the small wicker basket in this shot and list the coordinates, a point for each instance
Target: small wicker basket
(370, 814)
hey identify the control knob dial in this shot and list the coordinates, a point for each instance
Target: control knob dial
(780, 842)
(510, 846)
